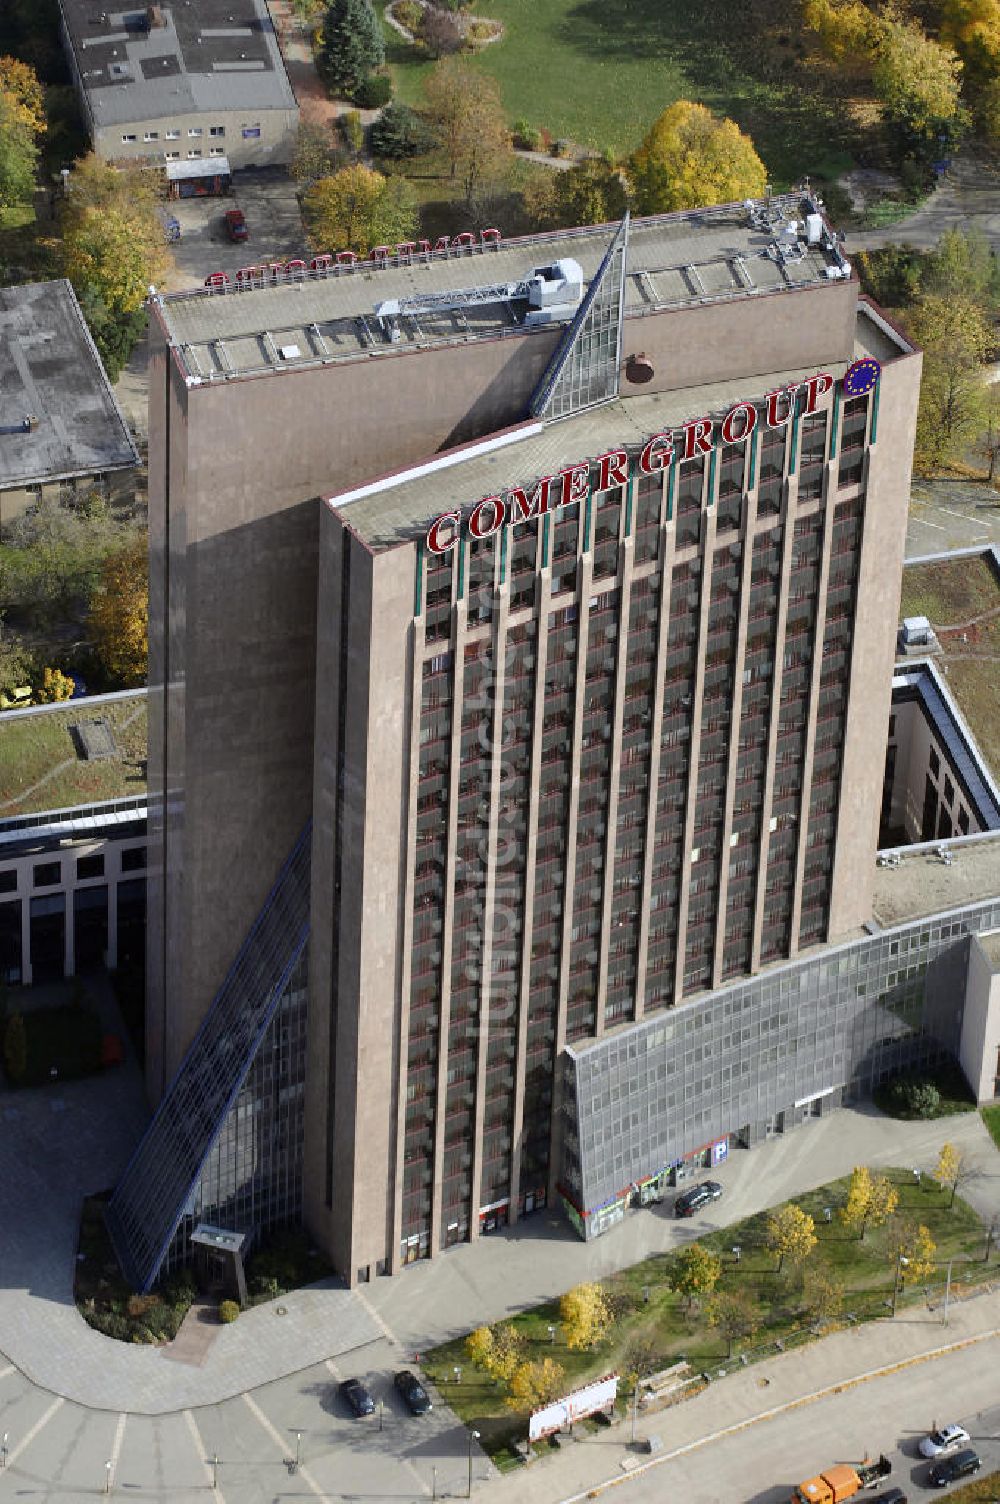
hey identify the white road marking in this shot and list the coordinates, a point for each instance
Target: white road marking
(5, 1373)
(199, 1445)
(282, 1445)
(922, 522)
(331, 1366)
(363, 1300)
(26, 1441)
(116, 1445)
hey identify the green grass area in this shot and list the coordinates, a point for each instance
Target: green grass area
(953, 594)
(984, 1490)
(40, 767)
(991, 1117)
(599, 72)
(652, 1329)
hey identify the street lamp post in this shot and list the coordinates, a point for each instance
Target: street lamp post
(3, 1449)
(215, 1471)
(635, 1407)
(901, 1263)
(552, 1333)
(434, 1482)
(381, 1407)
(947, 1294)
(991, 1233)
(473, 1436)
(107, 1477)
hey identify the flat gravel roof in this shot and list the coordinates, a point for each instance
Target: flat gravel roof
(51, 374)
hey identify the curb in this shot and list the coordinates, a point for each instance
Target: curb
(806, 1399)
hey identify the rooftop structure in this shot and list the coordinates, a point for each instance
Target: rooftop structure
(274, 319)
(58, 416)
(960, 596)
(44, 761)
(934, 878)
(181, 64)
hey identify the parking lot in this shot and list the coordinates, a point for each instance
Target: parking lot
(267, 198)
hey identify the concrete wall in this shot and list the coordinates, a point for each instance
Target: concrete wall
(275, 144)
(876, 617)
(979, 1051)
(773, 332)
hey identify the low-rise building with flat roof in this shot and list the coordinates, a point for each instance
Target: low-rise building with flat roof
(174, 82)
(60, 425)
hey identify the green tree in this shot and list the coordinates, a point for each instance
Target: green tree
(963, 264)
(15, 1048)
(734, 1314)
(955, 335)
(15, 659)
(871, 1201)
(112, 250)
(694, 1273)
(461, 103)
(18, 154)
(691, 158)
(846, 31)
(585, 1315)
(972, 27)
(790, 1233)
(593, 192)
(358, 208)
(351, 45)
(919, 83)
(399, 132)
(535, 1384)
(119, 614)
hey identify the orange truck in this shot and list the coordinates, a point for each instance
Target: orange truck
(841, 1481)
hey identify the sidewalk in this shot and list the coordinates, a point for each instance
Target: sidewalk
(849, 1358)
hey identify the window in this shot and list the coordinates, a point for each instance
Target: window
(129, 138)
(194, 153)
(90, 866)
(949, 790)
(171, 156)
(216, 130)
(8, 880)
(173, 134)
(935, 763)
(151, 135)
(217, 151)
(194, 130)
(47, 874)
(251, 132)
(963, 820)
(134, 859)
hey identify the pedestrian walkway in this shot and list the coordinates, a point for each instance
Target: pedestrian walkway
(58, 1146)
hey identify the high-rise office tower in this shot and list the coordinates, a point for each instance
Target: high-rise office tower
(522, 623)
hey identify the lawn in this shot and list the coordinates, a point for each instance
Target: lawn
(991, 1117)
(980, 1491)
(652, 1329)
(65, 1040)
(598, 72)
(958, 595)
(40, 767)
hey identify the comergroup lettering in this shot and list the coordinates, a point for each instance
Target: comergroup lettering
(573, 484)
(406, 250)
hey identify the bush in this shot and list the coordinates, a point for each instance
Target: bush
(525, 136)
(439, 32)
(560, 148)
(913, 1097)
(400, 132)
(409, 14)
(374, 91)
(65, 1040)
(352, 130)
(228, 1311)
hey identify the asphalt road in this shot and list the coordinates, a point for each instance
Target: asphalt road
(947, 514)
(764, 1463)
(969, 195)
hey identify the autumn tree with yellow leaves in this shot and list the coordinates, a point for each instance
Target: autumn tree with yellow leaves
(357, 208)
(585, 1315)
(22, 122)
(690, 158)
(119, 614)
(871, 1201)
(536, 1384)
(790, 1233)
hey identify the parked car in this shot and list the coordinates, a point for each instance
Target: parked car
(236, 225)
(949, 1469)
(891, 1496)
(413, 1392)
(943, 1440)
(689, 1202)
(354, 1393)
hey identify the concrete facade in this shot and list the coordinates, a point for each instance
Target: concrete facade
(979, 1046)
